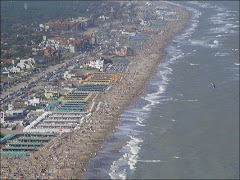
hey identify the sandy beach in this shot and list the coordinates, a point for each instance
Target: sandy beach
(69, 156)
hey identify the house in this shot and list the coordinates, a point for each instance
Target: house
(15, 112)
(67, 75)
(149, 4)
(8, 61)
(81, 23)
(36, 48)
(72, 48)
(121, 51)
(26, 63)
(67, 86)
(98, 63)
(34, 102)
(58, 24)
(18, 105)
(15, 70)
(51, 93)
(5, 72)
(103, 17)
(128, 33)
(144, 23)
(2, 119)
(23, 66)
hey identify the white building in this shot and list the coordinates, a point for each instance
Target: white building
(16, 112)
(103, 17)
(96, 64)
(144, 23)
(15, 70)
(149, 4)
(26, 63)
(2, 117)
(34, 102)
(128, 33)
(72, 48)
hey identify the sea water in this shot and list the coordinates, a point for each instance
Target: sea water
(186, 125)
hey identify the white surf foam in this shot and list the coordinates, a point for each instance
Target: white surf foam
(191, 100)
(204, 43)
(194, 64)
(127, 162)
(139, 124)
(221, 54)
(176, 157)
(151, 161)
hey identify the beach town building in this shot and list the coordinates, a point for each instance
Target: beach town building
(123, 51)
(15, 70)
(69, 44)
(51, 93)
(98, 63)
(8, 61)
(5, 72)
(127, 33)
(57, 24)
(26, 63)
(2, 117)
(34, 102)
(67, 86)
(73, 76)
(43, 27)
(120, 51)
(14, 112)
(78, 24)
(36, 48)
(144, 23)
(102, 17)
(81, 23)
(67, 75)
(17, 105)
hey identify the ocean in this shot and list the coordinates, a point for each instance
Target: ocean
(186, 124)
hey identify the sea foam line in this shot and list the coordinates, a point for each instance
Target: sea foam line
(127, 162)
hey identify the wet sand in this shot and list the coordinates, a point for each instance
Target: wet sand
(72, 152)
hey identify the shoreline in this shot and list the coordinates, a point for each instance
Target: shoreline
(159, 53)
(78, 147)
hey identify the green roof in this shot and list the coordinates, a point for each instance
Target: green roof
(19, 148)
(13, 153)
(50, 106)
(7, 137)
(75, 102)
(67, 111)
(24, 144)
(35, 138)
(38, 134)
(91, 87)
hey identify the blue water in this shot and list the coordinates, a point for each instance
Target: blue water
(182, 127)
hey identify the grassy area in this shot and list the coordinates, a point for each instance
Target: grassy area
(5, 131)
(66, 55)
(7, 79)
(28, 70)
